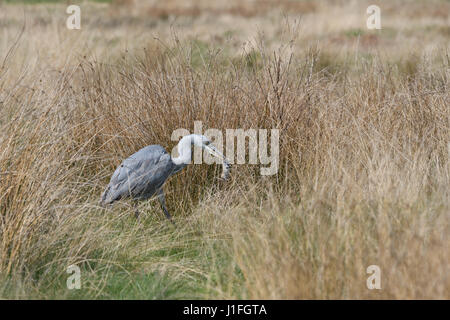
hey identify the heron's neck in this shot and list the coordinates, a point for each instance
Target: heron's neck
(184, 152)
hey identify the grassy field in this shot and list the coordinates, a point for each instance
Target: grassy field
(364, 167)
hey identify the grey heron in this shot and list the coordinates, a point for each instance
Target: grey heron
(143, 174)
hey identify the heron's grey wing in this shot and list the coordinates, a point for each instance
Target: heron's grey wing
(140, 175)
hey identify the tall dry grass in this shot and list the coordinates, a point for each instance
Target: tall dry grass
(363, 177)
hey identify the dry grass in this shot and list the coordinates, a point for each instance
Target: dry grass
(364, 147)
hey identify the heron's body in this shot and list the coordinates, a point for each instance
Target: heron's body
(143, 174)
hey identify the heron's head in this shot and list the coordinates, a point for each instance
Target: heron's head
(203, 142)
(199, 140)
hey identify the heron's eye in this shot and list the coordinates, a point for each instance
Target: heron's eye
(207, 142)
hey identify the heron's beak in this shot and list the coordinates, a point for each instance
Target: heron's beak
(226, 164)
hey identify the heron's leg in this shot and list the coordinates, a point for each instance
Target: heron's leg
(136, 211)
(162, 201)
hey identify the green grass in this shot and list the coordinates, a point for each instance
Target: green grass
(131, 260)
(354, 33)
